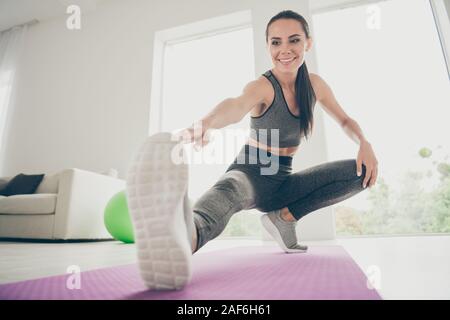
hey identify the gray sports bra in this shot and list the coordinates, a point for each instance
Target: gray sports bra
(277, 122)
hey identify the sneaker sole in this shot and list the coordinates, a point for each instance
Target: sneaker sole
(273, 231)
(155, 190)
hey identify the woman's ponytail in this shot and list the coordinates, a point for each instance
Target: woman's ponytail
(306, 99)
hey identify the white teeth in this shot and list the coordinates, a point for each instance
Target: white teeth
(286, 61)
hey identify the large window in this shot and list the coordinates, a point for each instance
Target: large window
(386, 66)
(197, 75)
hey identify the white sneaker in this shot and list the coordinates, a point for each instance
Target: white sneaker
(156, 191)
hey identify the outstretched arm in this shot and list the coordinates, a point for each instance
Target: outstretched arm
(366, 156)
(229, 111)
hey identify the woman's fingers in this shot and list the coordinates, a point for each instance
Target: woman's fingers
(371, 175)
(373, 180)
(358, 167)
(184, 136)
(190, 135)
(369, 172)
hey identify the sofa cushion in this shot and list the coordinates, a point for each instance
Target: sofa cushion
(49, 184)
(43, 203)
(22, 184)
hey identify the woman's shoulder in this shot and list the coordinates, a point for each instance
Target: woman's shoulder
(262, 94)
(262, 86)
(315, 78)
(267, 89)
(317, 83)
(264, 83)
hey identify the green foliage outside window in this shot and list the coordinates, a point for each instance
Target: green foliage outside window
(411, 209)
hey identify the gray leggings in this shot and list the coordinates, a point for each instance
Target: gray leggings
(243, 186)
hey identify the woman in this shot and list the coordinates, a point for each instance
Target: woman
(281, 102)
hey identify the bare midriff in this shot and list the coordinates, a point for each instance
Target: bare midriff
(289, 151)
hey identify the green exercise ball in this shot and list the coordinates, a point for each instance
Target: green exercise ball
(117, 219)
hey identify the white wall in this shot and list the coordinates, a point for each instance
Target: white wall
(84, 95)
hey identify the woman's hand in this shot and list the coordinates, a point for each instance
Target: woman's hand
(197, 133)
(367, 157)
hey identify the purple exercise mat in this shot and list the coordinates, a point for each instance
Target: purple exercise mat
(254, 273)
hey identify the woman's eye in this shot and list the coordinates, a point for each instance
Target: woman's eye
(294, 41)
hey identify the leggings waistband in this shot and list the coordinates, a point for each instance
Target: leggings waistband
(254, 155)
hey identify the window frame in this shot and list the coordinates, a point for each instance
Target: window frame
(441, 15)
(185, 32)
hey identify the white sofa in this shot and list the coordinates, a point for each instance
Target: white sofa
(66, 205)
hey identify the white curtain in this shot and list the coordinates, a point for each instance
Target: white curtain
(11, 42)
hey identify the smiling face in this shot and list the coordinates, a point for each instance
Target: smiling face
(287, 44)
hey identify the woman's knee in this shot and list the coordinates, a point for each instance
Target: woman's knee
(232, 192)
(236, 186)
(350, 168)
